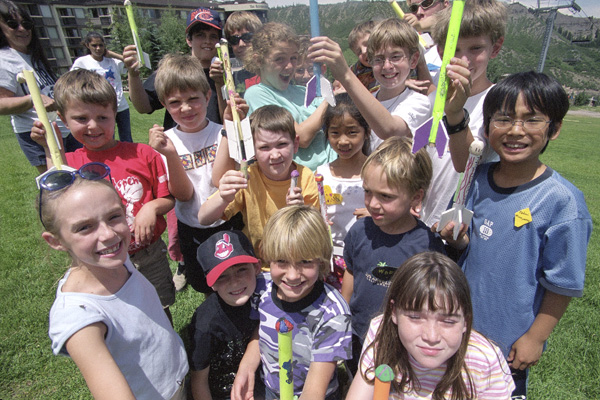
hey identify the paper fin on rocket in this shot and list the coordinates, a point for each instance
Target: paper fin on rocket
(422, 134)
(457, 214)
(233, 140)
(326, 91)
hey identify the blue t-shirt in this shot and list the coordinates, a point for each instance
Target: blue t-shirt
(510, 267)
(372, 256)
(292, 99)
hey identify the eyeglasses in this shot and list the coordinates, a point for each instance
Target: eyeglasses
(425, 4)
(14, 24)
(246, 37)
(57, 180)
(531, 125)
(379, 61)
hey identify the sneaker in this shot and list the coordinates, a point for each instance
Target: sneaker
(179, 279)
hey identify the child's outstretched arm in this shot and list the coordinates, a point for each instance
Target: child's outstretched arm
(180, 185)
(213, 208)
(459, 91)
(318, 378)
(145, 219)
(527, 350)
(446, 233)
(360, 389)
(384, 124)
(199, 384)
(307, 129)
(347, 285)
(243, 384)
(99, 369)
(137, 94)
(38, 135)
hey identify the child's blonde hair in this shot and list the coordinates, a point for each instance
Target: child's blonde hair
(296, 233)
(264, 41)
(241, 20)
(364, 28)
(272, 118)
(83, 86)
(179, 72)
(393, 32)
(426, 280)
(480, 18)
(400, 166)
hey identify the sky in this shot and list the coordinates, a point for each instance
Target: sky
(589, 7)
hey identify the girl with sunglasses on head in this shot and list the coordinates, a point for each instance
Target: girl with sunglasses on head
(20, 49)
(107, 317)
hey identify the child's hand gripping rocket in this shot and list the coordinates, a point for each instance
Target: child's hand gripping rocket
(143, 58)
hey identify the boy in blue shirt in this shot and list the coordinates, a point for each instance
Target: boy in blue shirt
(526, 246)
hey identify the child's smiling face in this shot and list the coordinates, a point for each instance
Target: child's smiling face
(391, 67)
(237, 283)
(274, 153)
(93, 125)
(278, 68)
(188, 109)
(294, 280)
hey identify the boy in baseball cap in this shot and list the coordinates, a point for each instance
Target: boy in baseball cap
(222, 325)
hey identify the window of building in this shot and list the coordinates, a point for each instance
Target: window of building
(45, 11)
(52, 32)
(79, 13)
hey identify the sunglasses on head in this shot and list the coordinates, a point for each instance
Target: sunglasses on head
(57, 180)
(246, 37)
(425, 4)
(14, 24)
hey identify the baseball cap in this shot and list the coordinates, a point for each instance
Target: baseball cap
(204, 16)
(223, 250)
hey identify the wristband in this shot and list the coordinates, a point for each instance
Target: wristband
(452, 129)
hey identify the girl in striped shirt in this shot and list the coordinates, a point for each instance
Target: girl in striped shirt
(425, 336)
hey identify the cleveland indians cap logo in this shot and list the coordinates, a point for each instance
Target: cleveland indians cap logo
(223, 248)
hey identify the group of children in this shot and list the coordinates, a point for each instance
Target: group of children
(443, 331)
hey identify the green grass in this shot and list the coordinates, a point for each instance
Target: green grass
(29, 271)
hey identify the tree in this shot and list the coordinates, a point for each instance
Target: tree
(171, 34)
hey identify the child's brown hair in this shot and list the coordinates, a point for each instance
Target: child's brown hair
(83, 86)
(393, 32)
(179, 72)
(241, 20)
(273, 118)
(264, 41)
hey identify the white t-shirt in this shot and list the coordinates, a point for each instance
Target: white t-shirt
(414, 108)
(342, 196)
(445, 178)
(109, 68)
(13, 62)
(434, 63)
(197, 152)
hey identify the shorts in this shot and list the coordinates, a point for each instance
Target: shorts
(152, 262)
(35, 153)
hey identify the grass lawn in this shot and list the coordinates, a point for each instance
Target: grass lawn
(29, 272)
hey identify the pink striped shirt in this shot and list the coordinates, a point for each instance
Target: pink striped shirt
(488, 369)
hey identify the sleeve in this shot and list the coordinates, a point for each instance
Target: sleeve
(367, 354)
(237, 205)
(151, 92)
(310, 191)
(488, 369)
(68, 317)
(333, 340)
(120, 66)
(77, 64)
(256, 97)
(348, 248)
(415, 110)
(201, 341)
(8, 79)
(564, 257)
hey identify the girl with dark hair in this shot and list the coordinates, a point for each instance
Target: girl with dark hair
(110, 65)
(425, 336)
(20, 49)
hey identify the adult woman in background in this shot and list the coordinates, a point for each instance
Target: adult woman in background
(20, 49)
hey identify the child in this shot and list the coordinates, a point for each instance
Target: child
(425, 336)
(348, 135)
(274, 57)
(394, 181)
(88, 104)
(304, 69)
(357, 40)
(393, 50)
(267, 188)
(102, 62)
(531, 227)
(297, 247)
(107, 317)
(202, 32)
(189, 150)
(221, 327)
(480, 40)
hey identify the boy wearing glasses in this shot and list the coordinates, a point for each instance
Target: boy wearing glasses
(525, 249)
(393, 50)
(480, 40)
(87, 104)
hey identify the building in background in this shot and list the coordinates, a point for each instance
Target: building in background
(61, 24)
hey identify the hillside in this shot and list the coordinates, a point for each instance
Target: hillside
(575, 66)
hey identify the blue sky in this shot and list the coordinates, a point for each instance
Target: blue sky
(590, 7)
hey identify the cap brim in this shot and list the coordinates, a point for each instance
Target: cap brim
(214, 273)
(201, 22)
